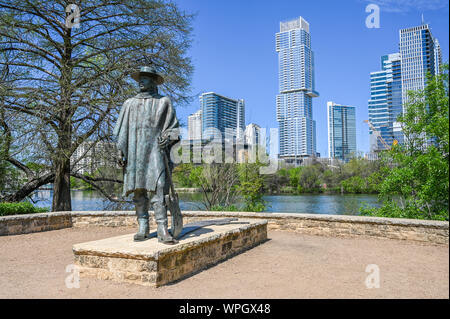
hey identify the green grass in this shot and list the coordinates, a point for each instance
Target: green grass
(7, 209)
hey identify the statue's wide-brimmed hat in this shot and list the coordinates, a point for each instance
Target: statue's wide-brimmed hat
(149, 71)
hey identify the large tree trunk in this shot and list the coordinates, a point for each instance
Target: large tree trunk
(61, 187)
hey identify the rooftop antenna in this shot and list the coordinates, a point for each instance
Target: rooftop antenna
(423, 21)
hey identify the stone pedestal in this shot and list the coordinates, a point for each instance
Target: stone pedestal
(151, 263)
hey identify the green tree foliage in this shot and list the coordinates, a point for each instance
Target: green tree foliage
(356, 176)
(355, 184)
(79, 184)
(218, 183)
(223, 184)
(251, 185)
(417, 184)
(187, 175)
(310, 178)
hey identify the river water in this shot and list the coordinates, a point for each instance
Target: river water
(312, 204)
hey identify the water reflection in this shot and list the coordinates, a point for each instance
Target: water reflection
(312, 204)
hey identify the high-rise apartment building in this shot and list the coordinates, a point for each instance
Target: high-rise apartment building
(195, 126)
(220, 113)
(341, 131)
(296, 86)
(420, 53)
(385, 103)
(90, 156)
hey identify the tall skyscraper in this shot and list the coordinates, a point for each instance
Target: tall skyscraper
(420, 53)
(341, 131)
(385, 103)
(296, 87)
(195, 126)
(220, 113)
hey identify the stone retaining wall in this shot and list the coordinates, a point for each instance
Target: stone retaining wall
(32, 223)
(324, 225)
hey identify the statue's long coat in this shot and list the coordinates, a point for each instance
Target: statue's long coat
(141, 121)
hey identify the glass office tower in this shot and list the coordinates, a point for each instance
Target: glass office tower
(296, 87)
(385, 103)
(341, 131)
(421, 53)
(219, 113)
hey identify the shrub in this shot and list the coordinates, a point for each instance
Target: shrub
(20, 208)
(219, 208)
(391, 209)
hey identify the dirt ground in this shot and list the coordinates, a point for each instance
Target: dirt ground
(289, 265)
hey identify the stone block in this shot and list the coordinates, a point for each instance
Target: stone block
(151, 263)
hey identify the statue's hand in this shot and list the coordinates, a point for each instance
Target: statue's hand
(163, 142)
(122, 161)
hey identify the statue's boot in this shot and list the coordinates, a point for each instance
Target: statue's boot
(162, 226)
(143, 231)
(141, 202)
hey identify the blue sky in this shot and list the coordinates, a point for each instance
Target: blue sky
(233, 51)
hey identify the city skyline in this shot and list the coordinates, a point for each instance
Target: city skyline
(236, 48)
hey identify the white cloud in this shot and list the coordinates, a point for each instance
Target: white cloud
(401, 6)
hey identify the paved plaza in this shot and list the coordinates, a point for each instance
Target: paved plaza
(288, 265)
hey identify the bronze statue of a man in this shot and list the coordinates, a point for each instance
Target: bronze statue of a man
(146, 130)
